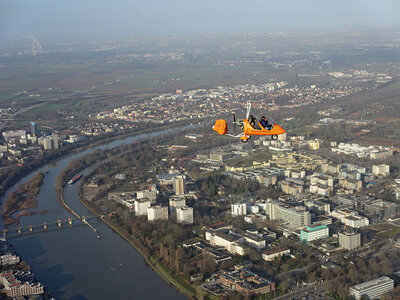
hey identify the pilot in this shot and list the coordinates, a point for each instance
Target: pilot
(252, 121)
(265, 124)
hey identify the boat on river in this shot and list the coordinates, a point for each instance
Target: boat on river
(75, 179)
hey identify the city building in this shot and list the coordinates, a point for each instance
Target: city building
(175, 202)
(381, 154)
(220, 156)
(311, 233)
(379, 209)
(318, 207)
(296, 215)
(141, 206)
(150, 192)
(34, 129)
(157, 213)
(184, 215)
(381, 170)
(14, 135)
(292, 186)
(373, 289)
(50, 143)
(255, 218)
(8, 256)
(20, 283)
(239, 209)
(125, 198)
(228, 241)
(246, 282)
(349, 240)
(356, 221)
(321, 184)
(179, 185)
(270, 254)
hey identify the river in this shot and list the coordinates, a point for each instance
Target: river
(72, 262)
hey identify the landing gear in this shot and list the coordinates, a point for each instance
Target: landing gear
(245, 138)
(274, 137)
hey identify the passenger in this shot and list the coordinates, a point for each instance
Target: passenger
(252, 121)
(265, 124)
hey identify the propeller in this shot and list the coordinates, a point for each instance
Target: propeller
(236, 122)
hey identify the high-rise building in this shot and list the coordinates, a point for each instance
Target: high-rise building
(239, 209)
(349, 240)
(175, 202)
(157, 213)
(184, 215)
(179, 185)
(372, 289)
(34, 129)
(141, 206)
(48, 144)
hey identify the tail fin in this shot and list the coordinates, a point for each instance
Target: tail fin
(221, 127)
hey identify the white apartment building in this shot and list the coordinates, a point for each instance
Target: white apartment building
(184, 215)
(239, 209)
(297, 215)
(350, 218)
(150, 192)
(381, 170)
(175, 202)
(157, 213)
(349, 240)
(141, 206)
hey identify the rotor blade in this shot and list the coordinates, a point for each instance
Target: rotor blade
(248, 107)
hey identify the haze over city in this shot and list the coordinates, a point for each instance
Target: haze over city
(109, 19)
(200, 149)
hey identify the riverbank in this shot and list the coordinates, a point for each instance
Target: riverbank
(21, 200)
(152, 261)
(8, 180)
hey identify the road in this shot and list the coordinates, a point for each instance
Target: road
(21, 111)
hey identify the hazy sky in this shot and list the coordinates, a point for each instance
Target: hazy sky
(106, 18)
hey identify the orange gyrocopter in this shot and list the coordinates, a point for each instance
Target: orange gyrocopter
(221, 127)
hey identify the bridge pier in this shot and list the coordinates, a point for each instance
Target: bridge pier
(84, 220)
(70, 222)
(45, 226)
(30, 229)
(59, 224)
(19, 231)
